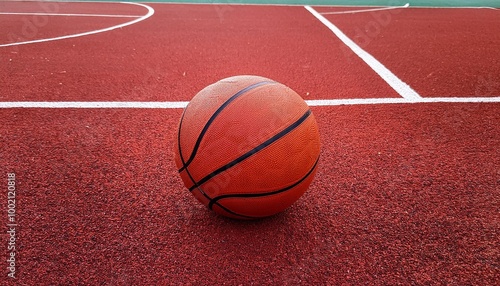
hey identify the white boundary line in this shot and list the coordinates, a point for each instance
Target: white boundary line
(455, 7)
(94, 104)
(366, 10)
(150, 13)
(70, 15)
(397, 84)
(371, 101)
(289, 5)
(183, 104)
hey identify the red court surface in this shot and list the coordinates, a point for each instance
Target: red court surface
(405, 194)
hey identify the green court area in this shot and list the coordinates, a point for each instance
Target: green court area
(421, 3)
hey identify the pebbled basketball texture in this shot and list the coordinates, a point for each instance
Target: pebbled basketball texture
(247, 147)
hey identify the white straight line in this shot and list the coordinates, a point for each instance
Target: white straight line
(70, 15)
(354, 101)
(460, 99)
(94, 104)
(151, 11)
(397, 84)
(183, 104)
(236, 3)
(370, 101)
(456, 7)
(366, 10)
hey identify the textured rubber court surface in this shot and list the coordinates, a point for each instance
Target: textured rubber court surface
(406, 193)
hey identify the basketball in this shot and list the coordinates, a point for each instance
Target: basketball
(247, 147)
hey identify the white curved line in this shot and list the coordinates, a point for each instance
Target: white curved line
(366, 10)
(69, 15)
(150, 13)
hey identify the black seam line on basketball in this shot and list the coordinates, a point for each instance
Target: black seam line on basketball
(179, 139)
(253, 151)
(203, 193)
(216, 113)
(180, 150)
(214, 200)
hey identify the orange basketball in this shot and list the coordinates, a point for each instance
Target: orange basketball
(247, 147)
